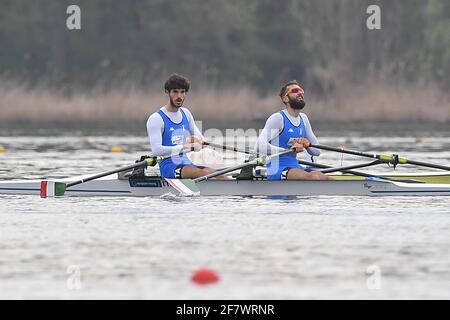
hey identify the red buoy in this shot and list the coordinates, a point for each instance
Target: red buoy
(205, 276)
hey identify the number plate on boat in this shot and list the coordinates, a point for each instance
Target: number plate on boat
(141, 183)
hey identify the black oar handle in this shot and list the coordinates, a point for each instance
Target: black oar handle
(353, 152)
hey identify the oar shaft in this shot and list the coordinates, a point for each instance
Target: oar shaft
(225, 147)
(388, 158)
(150, 161)
(217, 173)
(346, 170)
(104, 174)
(355, 166)
(240, 166)
(323, 166)
(429, 165)
(353, 152)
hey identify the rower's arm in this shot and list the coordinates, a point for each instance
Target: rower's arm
(311, 137)
(155, 127)
(271, 130)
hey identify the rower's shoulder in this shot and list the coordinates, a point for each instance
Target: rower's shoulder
(157, 112)
(304, 116)
(276, 116)
(274, 121)
(155, 117)
(186, 110)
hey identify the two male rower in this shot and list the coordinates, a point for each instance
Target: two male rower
(172, 130)
(286, 129)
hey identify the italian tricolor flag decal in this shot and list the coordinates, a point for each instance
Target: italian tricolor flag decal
(52, 189)
(185, 187)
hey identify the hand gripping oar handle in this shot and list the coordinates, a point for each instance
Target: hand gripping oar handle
(387, 158)
(257, 161)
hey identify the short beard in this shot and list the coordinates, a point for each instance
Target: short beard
(297, 104)
(172, 104)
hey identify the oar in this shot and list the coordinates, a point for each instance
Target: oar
(313, 164)
(329, 169)
(354, 166)
(54, 188)
(225, 147)
(342, 169)
(388, 158)
(188, 187)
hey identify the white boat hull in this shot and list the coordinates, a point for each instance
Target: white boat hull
(148, 187)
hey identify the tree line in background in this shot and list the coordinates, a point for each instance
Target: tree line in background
(224, 43)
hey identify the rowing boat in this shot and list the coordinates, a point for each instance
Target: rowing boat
(116, 182)
(421, 184)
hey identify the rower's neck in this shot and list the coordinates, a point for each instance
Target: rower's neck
(171, 108)
(293, 112)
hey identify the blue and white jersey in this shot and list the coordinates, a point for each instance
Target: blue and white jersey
(285, 140)
(167, 132)
(174, 134)
(277, 135)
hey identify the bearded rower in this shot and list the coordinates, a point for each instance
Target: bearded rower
(172, 129)
(286, 129)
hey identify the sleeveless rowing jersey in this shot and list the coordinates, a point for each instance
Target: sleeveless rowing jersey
(174, 134)
(284, 140)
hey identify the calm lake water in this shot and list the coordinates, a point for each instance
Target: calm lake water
(148, 248)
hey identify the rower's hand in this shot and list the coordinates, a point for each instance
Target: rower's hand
(193, 144)
(297, 147)
(303, 141)
(194, 139)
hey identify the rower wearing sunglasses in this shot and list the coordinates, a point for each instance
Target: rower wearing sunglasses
(286, 129)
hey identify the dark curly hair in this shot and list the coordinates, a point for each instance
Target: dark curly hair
(283, 88)
(176, 81)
